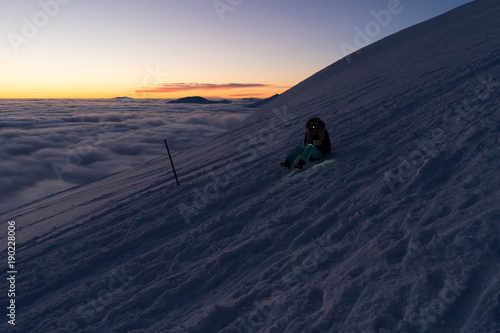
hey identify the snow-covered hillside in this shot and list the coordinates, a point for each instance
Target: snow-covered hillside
(397, 230)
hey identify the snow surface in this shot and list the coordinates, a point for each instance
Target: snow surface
(397, 230)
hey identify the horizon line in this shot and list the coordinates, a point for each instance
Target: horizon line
(118, 97)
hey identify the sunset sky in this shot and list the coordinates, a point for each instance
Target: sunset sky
(177, 48)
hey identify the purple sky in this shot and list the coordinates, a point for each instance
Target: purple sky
(119, 47)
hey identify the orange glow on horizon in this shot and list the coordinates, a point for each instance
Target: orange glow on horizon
(39, 93)
(261, 92)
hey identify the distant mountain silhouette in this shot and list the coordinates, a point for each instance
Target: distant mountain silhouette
(197, 100)
(261, 102)
(123, 97)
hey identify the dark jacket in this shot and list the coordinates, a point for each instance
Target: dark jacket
(321, 135)
(325, 148)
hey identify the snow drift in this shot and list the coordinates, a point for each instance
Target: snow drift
(395, 231)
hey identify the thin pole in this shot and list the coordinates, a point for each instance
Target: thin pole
(171, 162)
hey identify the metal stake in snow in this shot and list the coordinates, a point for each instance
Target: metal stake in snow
(171, 162)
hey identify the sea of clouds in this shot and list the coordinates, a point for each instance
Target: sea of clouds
(47, 146)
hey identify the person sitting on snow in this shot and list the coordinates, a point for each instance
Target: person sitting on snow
(316, 145)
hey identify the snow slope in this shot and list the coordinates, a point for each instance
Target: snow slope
(396, 231)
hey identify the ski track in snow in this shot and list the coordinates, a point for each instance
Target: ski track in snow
(396, 230)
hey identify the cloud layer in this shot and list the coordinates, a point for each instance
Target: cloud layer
(181, 87)
(50, 145)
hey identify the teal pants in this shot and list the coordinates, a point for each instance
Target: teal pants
(305, 153)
